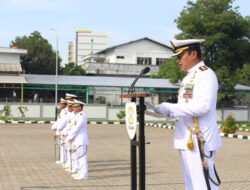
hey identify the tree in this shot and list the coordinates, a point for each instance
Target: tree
(226, 32)
(170, 70)
(40, 57)
(72, 69)
(243, 75)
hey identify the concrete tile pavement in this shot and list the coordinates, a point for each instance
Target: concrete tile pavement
(27, 160)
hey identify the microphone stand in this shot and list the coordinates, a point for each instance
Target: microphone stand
(144, 71)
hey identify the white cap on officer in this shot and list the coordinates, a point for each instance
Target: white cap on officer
(63, 101)
(70, 96)
(179, 46)
(78, 103)
(70, 103)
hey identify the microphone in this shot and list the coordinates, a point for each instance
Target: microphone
(143, 72)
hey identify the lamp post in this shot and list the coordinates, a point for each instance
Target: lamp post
(56, 76)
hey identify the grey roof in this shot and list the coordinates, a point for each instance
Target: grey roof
(146, 38)
(100, 81)
(104, 81)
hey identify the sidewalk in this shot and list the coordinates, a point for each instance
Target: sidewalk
(27, 160)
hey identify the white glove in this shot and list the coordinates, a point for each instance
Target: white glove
(162, 108)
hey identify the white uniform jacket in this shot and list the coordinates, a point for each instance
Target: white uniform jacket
(71, 116)
(78, 131)
(63, 118)
(201, 104)
(61, 115)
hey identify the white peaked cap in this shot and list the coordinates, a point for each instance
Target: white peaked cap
(77, 102)
(62, 101)
(70, 103)
(180, 45)
(69, 96)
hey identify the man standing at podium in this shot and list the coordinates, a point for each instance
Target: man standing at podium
(196, 133)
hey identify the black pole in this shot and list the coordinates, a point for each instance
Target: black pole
(133, 168)
(56, 114)
(141, 145)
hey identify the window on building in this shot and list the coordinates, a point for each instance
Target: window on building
(92, 40)
(144, 60)
(160, 61)
(120, 57)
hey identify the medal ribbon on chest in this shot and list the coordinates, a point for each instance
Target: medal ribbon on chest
(188, 88)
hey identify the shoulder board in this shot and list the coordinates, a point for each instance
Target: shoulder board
(203, 68)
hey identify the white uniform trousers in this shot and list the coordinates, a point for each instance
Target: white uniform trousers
(74, 161)
(193, 171)
(82, 161)
(62, 151)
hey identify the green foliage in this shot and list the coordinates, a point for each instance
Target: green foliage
(40, 57)
(121, 114)
(170, 70)
(226, 49)
(101, 100)
(229, 126)
(22, 110)
(243, 75)
(72, 69)
(6, 111)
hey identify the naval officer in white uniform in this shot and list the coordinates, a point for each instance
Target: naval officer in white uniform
(58, 124)
(78, 135)
(195, 115)
(65, 132)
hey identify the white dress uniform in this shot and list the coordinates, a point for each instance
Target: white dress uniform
(79, 137)
(197, 98)
(196, 107)
(62, 113)
(60, 126)
(65, 132)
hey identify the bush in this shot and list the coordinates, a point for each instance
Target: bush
(6, 111)
(121, 114)
(229, 126)
(22, 110)
(101, 100)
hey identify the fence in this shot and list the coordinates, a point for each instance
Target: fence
(103, 112)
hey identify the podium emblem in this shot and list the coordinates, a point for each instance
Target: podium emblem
(131, 119)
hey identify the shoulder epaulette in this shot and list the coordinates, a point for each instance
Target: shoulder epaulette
(203, 68)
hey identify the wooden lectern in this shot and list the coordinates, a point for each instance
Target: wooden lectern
(140, 143)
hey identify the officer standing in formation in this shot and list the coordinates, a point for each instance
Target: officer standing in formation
(77, 136)
(196, 133)
(58, 123)
(71, 130)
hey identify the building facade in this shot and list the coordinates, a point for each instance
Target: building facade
(11, 82)
(128, 58)
(86, 43)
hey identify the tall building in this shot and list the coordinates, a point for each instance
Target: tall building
(86, 43)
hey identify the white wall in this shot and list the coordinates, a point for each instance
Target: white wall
(7, 58)
(143, 48)
(103, 112)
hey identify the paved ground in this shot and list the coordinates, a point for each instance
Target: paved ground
(27, 160)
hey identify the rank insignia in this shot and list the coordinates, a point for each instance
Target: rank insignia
(203, 68)
(188, 94)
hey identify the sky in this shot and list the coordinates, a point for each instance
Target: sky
(122, 20)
